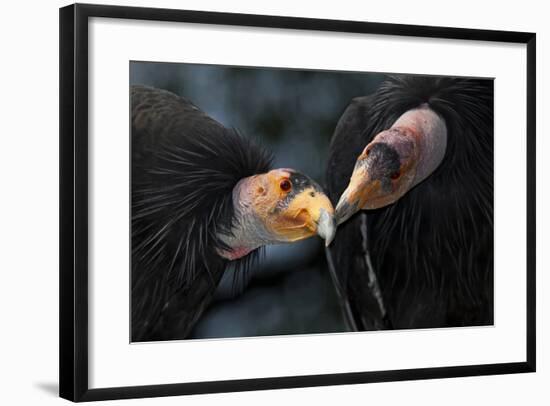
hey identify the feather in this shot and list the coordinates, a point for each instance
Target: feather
(184, 168)
(433, 249)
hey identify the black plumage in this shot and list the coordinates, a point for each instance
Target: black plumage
(184, 168)
(432, 250)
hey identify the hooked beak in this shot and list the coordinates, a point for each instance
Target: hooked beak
(374, 185)
(310, 212)
(326, 229)
(359, 192)
(345, 209)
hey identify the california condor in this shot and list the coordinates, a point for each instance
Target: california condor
(203, 197)
(411, 171)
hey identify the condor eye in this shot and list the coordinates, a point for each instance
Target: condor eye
(395, 175)
(285, 185)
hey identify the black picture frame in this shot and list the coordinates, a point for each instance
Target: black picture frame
(73, 333)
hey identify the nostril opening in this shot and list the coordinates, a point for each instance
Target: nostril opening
(395, 175)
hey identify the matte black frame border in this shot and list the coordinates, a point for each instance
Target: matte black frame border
(73, 195)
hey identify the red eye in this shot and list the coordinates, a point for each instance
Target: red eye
(285, 185)
(395, 175)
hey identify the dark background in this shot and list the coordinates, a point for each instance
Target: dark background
(293, 113)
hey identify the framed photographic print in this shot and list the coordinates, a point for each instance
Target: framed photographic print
(253, 202)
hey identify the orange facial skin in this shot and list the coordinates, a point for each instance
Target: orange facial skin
(383, 173)
(290, 204)
(395, 161)
(279, 206)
